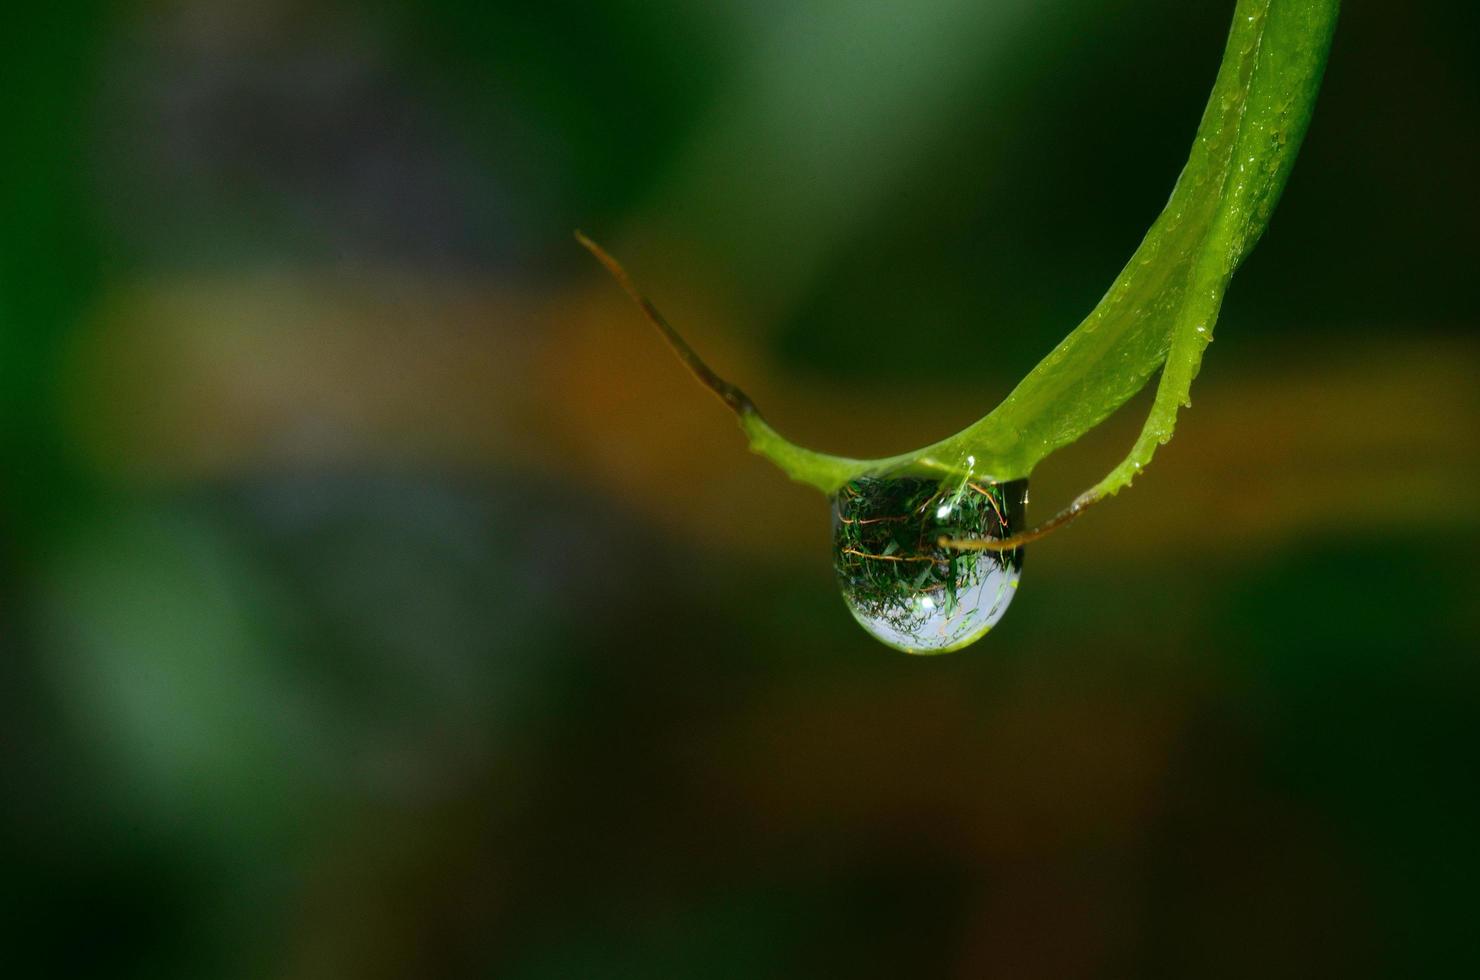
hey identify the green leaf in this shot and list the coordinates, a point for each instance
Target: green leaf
(1161, 309)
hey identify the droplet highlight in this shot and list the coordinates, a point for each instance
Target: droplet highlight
(900, 584)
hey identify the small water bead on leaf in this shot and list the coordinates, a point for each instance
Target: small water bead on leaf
(900, 584)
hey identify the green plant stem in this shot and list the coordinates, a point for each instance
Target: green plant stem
(1161, 309)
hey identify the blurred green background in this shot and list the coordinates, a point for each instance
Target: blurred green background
(380, 599)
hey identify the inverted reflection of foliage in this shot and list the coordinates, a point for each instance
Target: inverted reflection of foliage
(900, 583)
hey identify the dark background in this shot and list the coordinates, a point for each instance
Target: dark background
(378, 598)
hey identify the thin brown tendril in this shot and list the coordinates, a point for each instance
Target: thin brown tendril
(1063, 517)
(864, 554)
(738, 401)
(991, 500)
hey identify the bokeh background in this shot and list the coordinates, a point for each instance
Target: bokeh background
(380, 599)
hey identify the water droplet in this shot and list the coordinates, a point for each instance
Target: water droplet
(905, 589)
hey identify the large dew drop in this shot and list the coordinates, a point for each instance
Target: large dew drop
(900, 584)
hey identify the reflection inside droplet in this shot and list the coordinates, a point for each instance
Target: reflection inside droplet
(900, 584)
